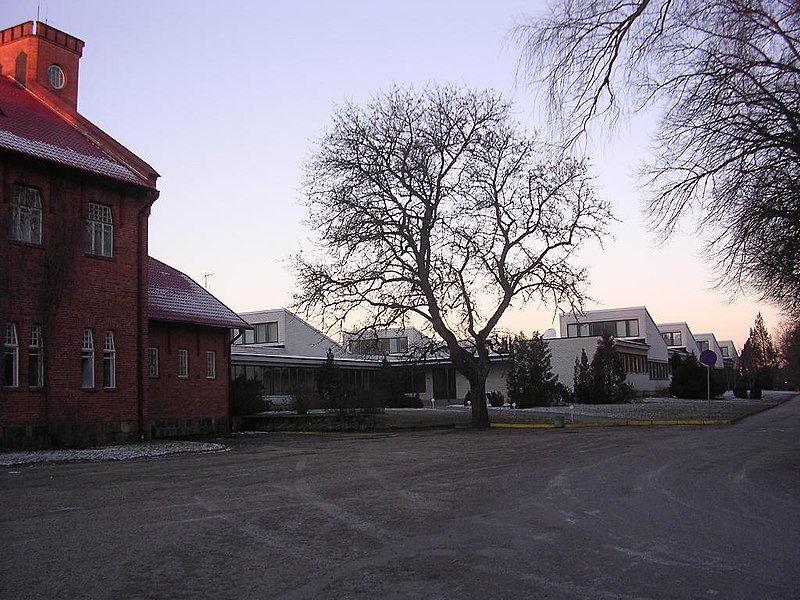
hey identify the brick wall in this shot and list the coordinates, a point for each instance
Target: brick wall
(63, 289)
(195, 403)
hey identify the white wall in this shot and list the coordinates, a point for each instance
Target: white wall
(686, 335)
(295, 336)
(712, 345)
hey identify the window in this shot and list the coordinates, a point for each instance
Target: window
(658, 370)
(55, 75)
(99, 230)
(702, 345)
(266, 333)
(725, 353)
(11, 357)
(152, 363)
(36, 358)
(673, 338)
(393, 345)
(87, 360)
(633, 363)
(26, 215)
(248, 337)
(211, 365)
(183, 363)
(620, 329)
(109, 362)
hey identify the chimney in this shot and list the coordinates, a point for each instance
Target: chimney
(43, 59)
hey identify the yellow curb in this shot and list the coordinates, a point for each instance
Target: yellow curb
(610, 424)
(523, 425)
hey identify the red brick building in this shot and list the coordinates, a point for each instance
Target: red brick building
(188, 354)
(74, 208)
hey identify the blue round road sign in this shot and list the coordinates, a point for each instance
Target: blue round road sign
(708, 358)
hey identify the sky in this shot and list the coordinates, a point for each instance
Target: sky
(226, 100)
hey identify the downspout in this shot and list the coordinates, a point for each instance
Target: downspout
(142, 312)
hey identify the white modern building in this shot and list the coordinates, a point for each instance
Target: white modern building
(707, 341)
(729, 353)
(679, 338)
(282, 351)
(637, 338)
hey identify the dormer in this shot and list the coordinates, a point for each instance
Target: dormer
(43, 59)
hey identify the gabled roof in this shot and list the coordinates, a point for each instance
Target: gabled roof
(30, 126)
(175, 297)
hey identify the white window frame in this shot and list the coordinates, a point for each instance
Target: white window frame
(183, 363)
(100, 230)
(152, 363)
(211, 364)
(87, 360)
(26, 215)
(11, 357)
(36, 358)
(109, 362)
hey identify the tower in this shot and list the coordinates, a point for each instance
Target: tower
(43, 59)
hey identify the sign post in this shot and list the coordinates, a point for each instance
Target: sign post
(708, 358)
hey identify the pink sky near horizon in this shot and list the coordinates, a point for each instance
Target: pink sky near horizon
(226, 103)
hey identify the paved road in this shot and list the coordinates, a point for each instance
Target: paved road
(679, 512)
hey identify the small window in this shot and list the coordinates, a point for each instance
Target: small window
(572, 330)
(266, 333)
(36, 358)
(11, 357)
(100, 231)
(55, 75)
(633, 328)
(724, 351)
(26, 215)
(87, 360)
(248, 337)
(109, 362)
(152, 363)
(183, 363)
(211, 365)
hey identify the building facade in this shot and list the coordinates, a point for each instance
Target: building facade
(75, 206)
(637, 338)
(82, 307)
(188, 355)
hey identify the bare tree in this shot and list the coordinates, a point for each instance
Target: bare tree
(434, 207)
(726, 76)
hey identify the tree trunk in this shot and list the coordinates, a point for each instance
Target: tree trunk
(480, 413)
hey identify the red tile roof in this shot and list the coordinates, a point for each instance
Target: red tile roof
(176, 297)
(30, 126)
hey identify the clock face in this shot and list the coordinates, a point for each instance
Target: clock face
(56, 76)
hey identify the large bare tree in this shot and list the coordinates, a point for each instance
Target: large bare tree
(726, 77)
(434, 207)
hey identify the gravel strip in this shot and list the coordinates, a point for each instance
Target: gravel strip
(103, 453)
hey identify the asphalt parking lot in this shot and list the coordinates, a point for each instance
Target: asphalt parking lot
(670, 512)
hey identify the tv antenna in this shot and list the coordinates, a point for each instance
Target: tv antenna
(205, 279)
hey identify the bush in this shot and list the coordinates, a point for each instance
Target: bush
(563, 394)
(305, 398)
(755, 393)
(531, 381)
(690, 379)
(608, 377)
(740, 391)
(582, 380)
(246, 396)
(495, 399)
(403, 401)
